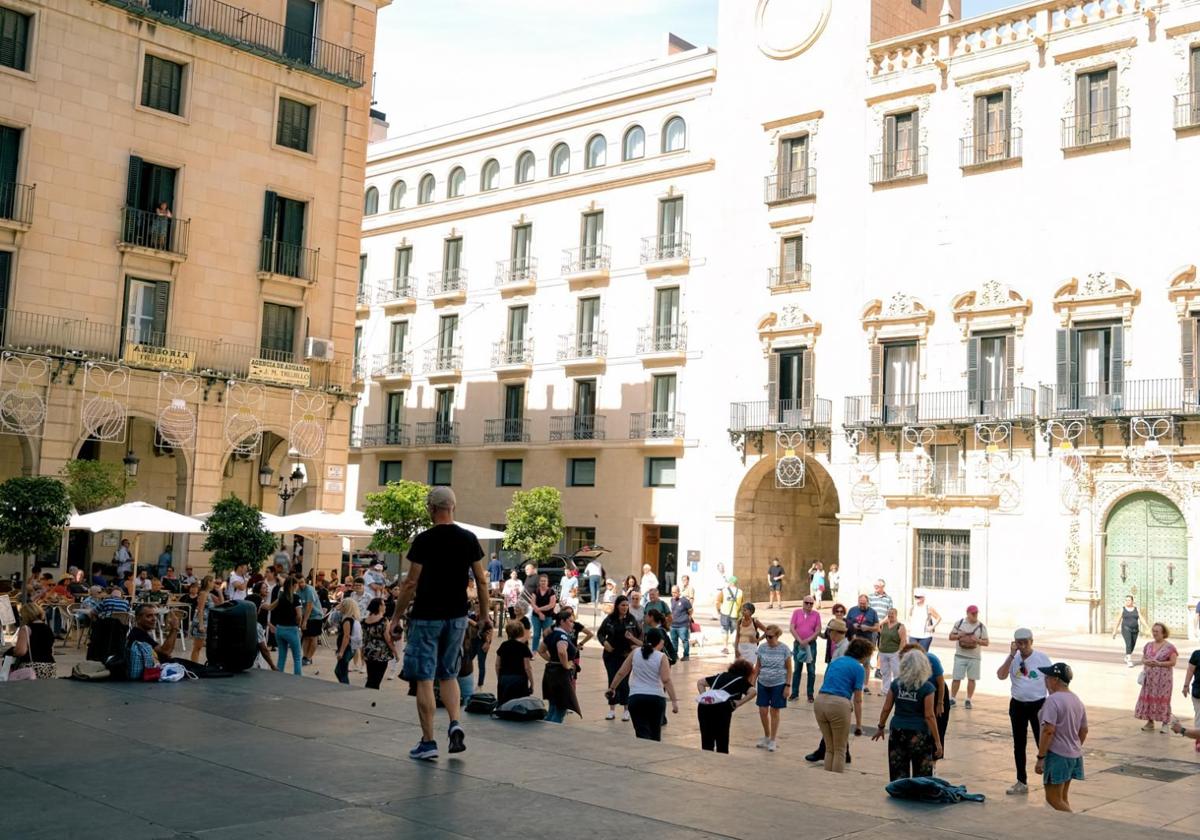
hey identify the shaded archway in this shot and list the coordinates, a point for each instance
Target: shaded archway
(797, 525)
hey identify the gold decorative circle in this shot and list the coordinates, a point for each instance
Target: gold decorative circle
(787, 28)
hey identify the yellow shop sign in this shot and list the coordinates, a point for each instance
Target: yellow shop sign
(160, 358)
(280, 373)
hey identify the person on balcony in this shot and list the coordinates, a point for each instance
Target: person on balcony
(162, 226)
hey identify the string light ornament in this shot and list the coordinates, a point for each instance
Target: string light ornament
(864, 492)
(175, 425)
(23, 383)
(308, 423)
(244, 408)
(918, 466)
(1148, 460)
(997, 466)
(1073, 473)
(103, 415)
(790, 471)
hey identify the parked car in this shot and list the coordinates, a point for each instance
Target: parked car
(556, 566)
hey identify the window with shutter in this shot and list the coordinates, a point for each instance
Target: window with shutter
(1194, 86)
(791, 268)
(5, 274)
(162, 85)
(14, 38)
(292, 130)
(10, 157)
(522, 235)
(146, 303)
(1187, 354)
(278, 331)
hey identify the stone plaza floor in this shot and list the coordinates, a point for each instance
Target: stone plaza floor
(266, 755)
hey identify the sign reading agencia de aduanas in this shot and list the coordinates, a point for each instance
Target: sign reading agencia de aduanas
(279, 373)
(158, 358)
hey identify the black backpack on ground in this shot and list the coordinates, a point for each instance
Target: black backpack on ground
(521, 709)
(481, 703)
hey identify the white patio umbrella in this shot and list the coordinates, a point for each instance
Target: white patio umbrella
(137, 518)
(348, 523)
(270, 521)
(480, 532)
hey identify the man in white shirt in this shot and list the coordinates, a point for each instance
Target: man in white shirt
(124, 558)
(649, 579)
(237, 583)
(595, 578)
(1028, 688)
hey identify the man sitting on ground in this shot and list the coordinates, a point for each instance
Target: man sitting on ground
(141, 652)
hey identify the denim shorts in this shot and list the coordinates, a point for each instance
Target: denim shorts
(727, 623)
(434, 649)
(1058, 769)
(771, 696)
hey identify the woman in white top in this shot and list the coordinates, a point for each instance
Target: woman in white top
(922, 621)
(649, 686)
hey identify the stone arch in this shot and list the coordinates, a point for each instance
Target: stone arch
(17, 456)
(239, 475)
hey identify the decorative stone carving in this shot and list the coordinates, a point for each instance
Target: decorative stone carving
(791, 326)
(991, 306)
(1099, 295)
(1072, 552)
(1184, 291)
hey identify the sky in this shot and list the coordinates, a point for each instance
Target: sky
(439, 60)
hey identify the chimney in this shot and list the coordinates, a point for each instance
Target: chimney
(379, 127)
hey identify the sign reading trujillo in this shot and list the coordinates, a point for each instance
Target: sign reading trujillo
(279, 373)
(159, 358)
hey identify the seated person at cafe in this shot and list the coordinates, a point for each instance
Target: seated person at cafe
(114, 604)
(88, 610)
(156, 595)
(171, 581)
(141, 652)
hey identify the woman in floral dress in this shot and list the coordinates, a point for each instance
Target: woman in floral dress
(1158, 671)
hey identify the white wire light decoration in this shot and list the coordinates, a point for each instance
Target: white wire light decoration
(244, 408)
(918, 466)
(175, 425)
(1147, 459)
(864, 492)
(307, 423)
(789, 460)
(997, 466)
(105, 413)
(23, 383)
(1073, 471)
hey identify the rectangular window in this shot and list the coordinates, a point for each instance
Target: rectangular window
(944, 559)
(587, 326)
(10, 158)
(283, 237)
(14, 39)
(793, 167)
(447, 332)
(990, 360)
(900, 139)
(397, 339)
(585, 422)
(444, 407)
(947, 478)
(390, 471)
(670, 228)
(162, 85)
(518, 317)
(5, 278)
(394, 412)
(790, 386)
(295, 120)
(522, 237)
(403, 268)
(577, 539)
(514, 402)
(791, 261)
(451, 258)
(149, 185)
(660, 472)
(666, 311)
(146, 311)
(1096, 107)
(278, 332)
(663, 396)
(900, 383)
(992, 130)
(1091, 368)
(509, 472)
(300, 29)
(591, 238)
(581, 472)
(440, 472)
(362, 273)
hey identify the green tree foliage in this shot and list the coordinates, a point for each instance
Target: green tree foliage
(33, 512)
(399, 512)
(95, 485)
(535, 523)
(234, 533)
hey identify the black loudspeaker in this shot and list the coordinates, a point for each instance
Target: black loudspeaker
(232, 636)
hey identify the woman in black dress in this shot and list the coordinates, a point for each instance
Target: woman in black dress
(619, 633)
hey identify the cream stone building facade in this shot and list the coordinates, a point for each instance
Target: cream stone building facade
(180, 212)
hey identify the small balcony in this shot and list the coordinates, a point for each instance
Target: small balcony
(443, 364)
(516, 276)
(899, 167)
(659, 427)
(148, 231)
(448, 285)
(437, 433)
(287, 262)
(362, 302)
(513, 358)
(359, 370)
(392, 367)
(577, 427)
(587, 265)
(792, 278)
(581, 350)
(666, 253)
(663, 343)
(512, 431)
(386, 434)
(397, 293)
(1187, 110)
(1109, 127)
(1127, 398)
(16, 205)
(790, 186)
(941, 408)
(992, 148)
(766, 415)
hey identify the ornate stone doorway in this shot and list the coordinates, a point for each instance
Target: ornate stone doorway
(1145, 555)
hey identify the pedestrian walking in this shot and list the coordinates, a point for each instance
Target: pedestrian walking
(285, 612)
(922, 620)
(681, 622)
(805, 626)
(775, 576)
(1064, 729)
(543, 605)
(1128, 623)
(892, 637)
(650, 686)
(514, 671)
(1192, 680)
(834, 582)
(772, 673)
(720, 695)
(880, 601)
(349, 621)
(841, 695)
(913, 742)
(1157, 679)
(747, 634)
(1028, 694)
(558, 679)
(619, 633)
(816, 580)
(729, 607)
(441, 558)
(495, 573)
(970, 636)
(378, 648)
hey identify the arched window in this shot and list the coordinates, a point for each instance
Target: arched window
(560, 159)
(674, 135)
(489, 178)
(425, 190)
(371, 202)
(525, 164)
(596, 152)
(456, 183)
(634, 145)
(396, 197)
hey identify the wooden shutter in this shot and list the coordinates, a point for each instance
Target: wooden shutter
(806, 384)
(876, 381)
(133, 185)
(293, 222)
(10, 154)
(1187, 350)
(5, 270)
(1006, 120)
(1083, 110)
(917, 166)
(1062, 354)
(772, 383)
(161, 188)
(973, 352)
(981, 139)
(269, 208)
(1116, 362)
(888, 168)
(162, 297)
(1110, 102)
(14, 38)
(1010, 366)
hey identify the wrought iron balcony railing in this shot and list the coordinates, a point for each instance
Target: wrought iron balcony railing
(386, 434)
(577, 427)
(255, 34)
(516, 272)
(790, 186)
(396, 290)
(941, 407)
(288, 260)
(364, 297)
(578, 346)
(656, 425)
(1187, 109)
(149, 230)
(443, 360)
(1096, 128)
(899, 165)
(790, 277)
(586, 259)
(662, 338)
(989, 147)
(361, 369)
(447, 281)
(437, 433)
(665, 247)
(507, 353)
(506, 430)
(392, 364)
(763, 415)
(16, 203)
(1127, 398)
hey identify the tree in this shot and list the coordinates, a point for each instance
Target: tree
(400, 513)
(95, 485)
(234, 533)
(535, 523)
(33, 513)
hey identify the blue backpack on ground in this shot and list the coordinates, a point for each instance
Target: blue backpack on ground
(931, 789)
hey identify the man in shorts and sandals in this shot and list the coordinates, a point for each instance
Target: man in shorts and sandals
(729, 607)
(441, 559)
(972, 637)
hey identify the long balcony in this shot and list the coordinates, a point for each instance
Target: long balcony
(437, 433)
(941, 408)
(792, 278)
(1187, 110)
(666, 252)
(391, 367)
(448, 285)
(285, 260)
(516, 275)
(149, 231)
(386, 434)
(513, 356)
(764, 415)
(660, 426)
(1129, 398)
(396, 293)
(502, 430)
(1099, 128)
(442, 363)
(255, 34)
(991, 147)
(895, 167)
(586, 265)
(790, 186)
(583, 349)
(577, 427)
(16, 204)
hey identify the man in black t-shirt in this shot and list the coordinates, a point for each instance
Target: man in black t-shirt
(441, 559)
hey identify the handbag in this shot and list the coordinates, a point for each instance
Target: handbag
(694, 627)
(801, 654)
(151, 673)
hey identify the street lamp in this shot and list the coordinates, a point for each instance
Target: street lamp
(131, 462)
(289, 487)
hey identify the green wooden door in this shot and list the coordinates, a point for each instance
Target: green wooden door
(1146, 556)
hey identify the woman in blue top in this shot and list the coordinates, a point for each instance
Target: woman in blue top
(841, 691)
(914, 743)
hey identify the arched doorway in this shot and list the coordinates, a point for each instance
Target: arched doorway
(1145, 555)
(796, 524)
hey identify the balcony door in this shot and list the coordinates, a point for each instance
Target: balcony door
(1096, 106)
(10, 156)
(518, 318)
(394, 417)
(1091, 368)
(662, 421)
(992, 126)
(148, 187)
(990, 364)
(278, 332)
(522, 237)
(591, 237)
(900, 383)
(793, 166)
(946, 479)
(900, 140)
(397, 339)
(451, 261)
(443, 416)
(283, 235)
(514, 412)
(301, 23)
(670, 227)
(447, 332)
(587, 327)
(585, 409)
(146, 311)
(666, 318)
(5, 275)
(403, 269)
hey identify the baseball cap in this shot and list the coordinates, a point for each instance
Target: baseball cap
(1022, 633)
(440, 497)
(836, 625)
(918, 593)
(733, 578)
(972, 609)
(378, 567)
(1059, 670)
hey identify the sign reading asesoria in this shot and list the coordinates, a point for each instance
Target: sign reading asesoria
(159, 358)
(280, 373)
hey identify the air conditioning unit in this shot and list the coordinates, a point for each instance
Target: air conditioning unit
(318, 349)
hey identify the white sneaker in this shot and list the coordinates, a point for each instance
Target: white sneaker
(625, 715)
(967, 705)
(611, 715)
(1164, 729)
(1019, 789)
(771, 746)
(763, 743)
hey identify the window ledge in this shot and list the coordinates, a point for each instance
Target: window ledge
(1093, 148)
(893, 183)
(17, 225)
(992, 165)
(170, 256)
(788, 288)
(792, 199)
(1187, 130)
(182, 119)
(310, 156)
(27, 75)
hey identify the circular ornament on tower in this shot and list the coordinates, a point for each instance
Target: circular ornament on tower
(786, 28)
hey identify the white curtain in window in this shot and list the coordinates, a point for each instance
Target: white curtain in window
(992, 368)
(674, 135)
(901, 372)
(560, 160)
(1092, 374)
(635, 144)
